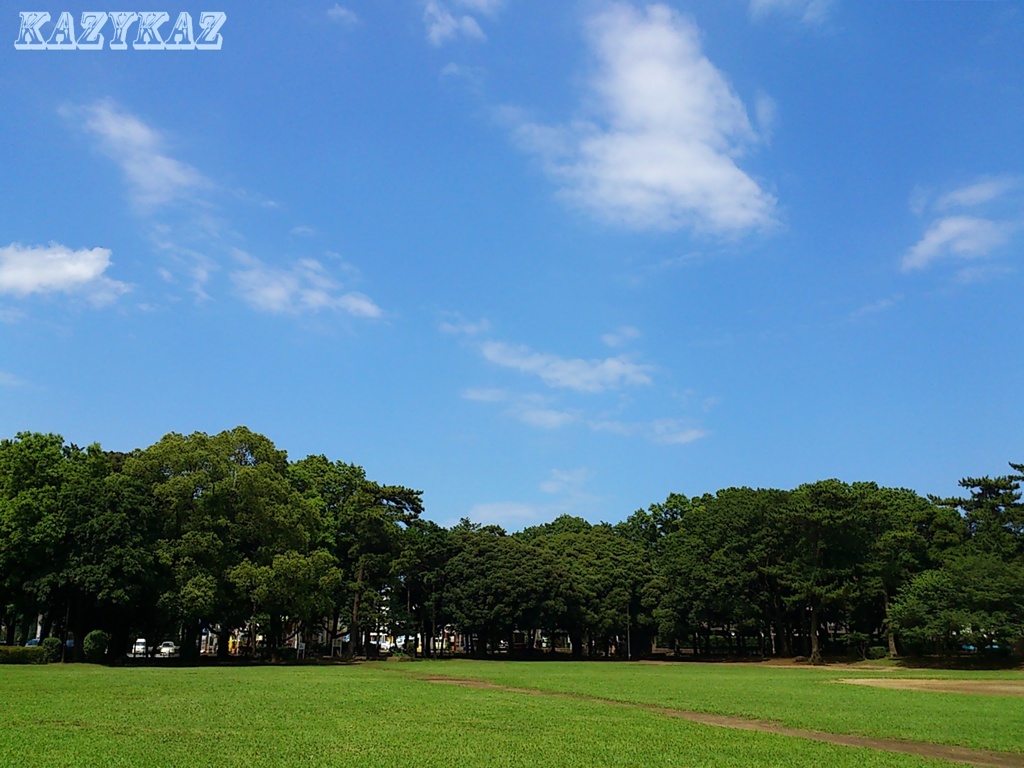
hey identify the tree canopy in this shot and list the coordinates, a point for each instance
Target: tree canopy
(224, 535)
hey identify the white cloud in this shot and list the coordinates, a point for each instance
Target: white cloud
(482, 395)
(971, 222)
(545, 418)
(305, 287)
(982, 273)
(470, 77)
(667, 130)
(978, 193)
(303, 231)
(55, 268)
(662, 431)
(967, 237)
(875, 307)
(767, 111)
(566, 481)
(443, 25)
(487, 7)
(456, 324)
(576, 374)
(342, 15)
(155, 178)
(533, 410)
(675, 432)
(508, 514)
(809, 11)
(10, 380)
(570, 496)
(538, 411)
(621, 336)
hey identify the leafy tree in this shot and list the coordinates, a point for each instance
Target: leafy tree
(973, 600)
(223, 500)
(496, 584)
(421, 572)
(32, 525)
(831, 539)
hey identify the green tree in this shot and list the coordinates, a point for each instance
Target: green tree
(223, 500)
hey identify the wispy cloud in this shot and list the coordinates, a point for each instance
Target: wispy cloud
(808, 11)
(568, 373)
(542, 412)
(154, 177)
(55, 268)
(566, 481)
(471, 78)
(661, 148)
(875, 307)
(444, 26)
(982, 191)
(305, 286)
(967, 237)
(982, 273)
(339, 14)
(10, 380)
(622, 336)
(662, 431)
(969, 223)
(486, 7)
(194, 238)
(511, 515)
(589, 394)
(456, 324)
(531, 409)
(565, 493)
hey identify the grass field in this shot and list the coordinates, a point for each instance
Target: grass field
(800, 697)
(388, 715)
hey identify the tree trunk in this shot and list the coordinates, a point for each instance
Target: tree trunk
(188, 648)
(355, 641)
(815, 642)
(223, 644)
(890, 634)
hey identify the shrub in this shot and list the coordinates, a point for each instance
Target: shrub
(16, 654)
(877, 652)
(95, 646)
(52, 649)
(285, 653)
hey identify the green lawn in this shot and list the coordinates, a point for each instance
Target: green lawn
(800, 697)
(383, 715)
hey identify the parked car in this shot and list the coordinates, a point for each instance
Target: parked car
(32, 643)
(139, 649)
(167, 648)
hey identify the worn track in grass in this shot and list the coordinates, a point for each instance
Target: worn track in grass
(978, 757)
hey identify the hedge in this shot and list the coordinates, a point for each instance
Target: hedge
(95, 646)
(53, 649)
(17, 654)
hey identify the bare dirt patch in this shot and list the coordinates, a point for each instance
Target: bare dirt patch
(985, 687)
(977, 757)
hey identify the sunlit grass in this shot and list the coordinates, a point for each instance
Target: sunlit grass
(359, 716)
(806, 697)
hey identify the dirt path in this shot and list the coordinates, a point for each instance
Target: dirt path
(986, 687)
(977, 757)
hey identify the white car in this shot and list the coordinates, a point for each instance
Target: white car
(167, 648)
(139, 649)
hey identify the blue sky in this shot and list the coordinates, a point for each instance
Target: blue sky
(531, 258)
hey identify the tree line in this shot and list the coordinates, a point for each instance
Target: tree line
(216, 533)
